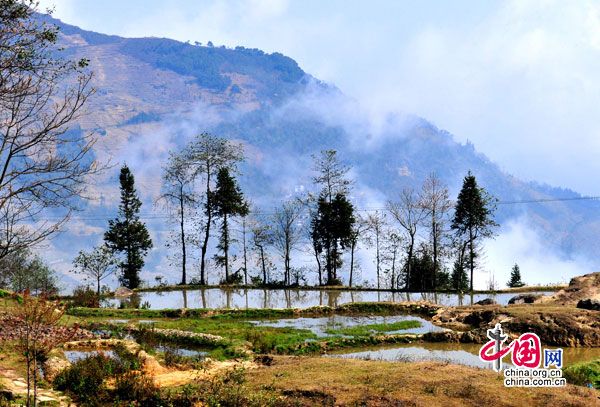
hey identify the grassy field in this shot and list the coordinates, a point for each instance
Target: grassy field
(330, 381)
(283, 366)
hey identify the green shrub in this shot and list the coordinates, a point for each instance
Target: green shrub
(584, 374)
(136, 386)
(230, 390)
(84, 296)
(84, 379)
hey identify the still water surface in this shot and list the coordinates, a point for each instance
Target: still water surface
(290, 298)
(457, 353)
(319, 326)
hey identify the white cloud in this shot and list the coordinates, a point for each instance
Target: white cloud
(539, 264)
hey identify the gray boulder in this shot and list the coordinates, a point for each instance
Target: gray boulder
(486, 301)
(123, 292)
(590, 304)
(525, 299)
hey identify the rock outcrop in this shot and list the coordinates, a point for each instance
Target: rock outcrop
(580, 288)
(590, 304)
(525, 299)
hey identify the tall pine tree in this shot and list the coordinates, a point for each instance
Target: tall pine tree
(228, 201)
(515, 277)
(127, 234)
(473, 217)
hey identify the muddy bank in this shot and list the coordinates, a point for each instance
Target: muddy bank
(560, 326)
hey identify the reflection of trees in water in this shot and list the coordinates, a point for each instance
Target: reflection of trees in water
(430, 297)
(300, 297)
(184, 294)
(133, 301)
(282, 298)
(333, 297)
(227, 299)
(203, 297)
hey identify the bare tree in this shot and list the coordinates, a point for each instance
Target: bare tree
(43, 164)
(34, 321)
(178, 194)
(96, 265)
(331, 174)
(409, 214)
(375, 227)
(262, 237)
(206, 155)
(244, 223)
(287, 232)
(436, 203)
(360, 227)
(390, 258)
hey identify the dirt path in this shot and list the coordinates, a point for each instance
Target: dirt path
(182, 377)
(17, 385)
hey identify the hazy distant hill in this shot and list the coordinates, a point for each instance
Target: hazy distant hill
(153, 94)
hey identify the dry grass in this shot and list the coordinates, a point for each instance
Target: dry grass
(375, 383)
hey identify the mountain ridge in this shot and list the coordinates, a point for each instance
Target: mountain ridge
(161, 91)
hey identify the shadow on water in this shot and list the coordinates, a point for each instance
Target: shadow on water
(288, 298)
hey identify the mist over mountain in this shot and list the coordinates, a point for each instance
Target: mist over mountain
(153, 95)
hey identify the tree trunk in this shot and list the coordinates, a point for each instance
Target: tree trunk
(319, 268)
(394, 270)
(226, 247)
(352, 262)
(264, 269)
(183, 253)
(245, 252)
(409, 261)
(434, 232)
(287, 259)
(377, 259)
(203, 278)
(28, 363)
(472, 257)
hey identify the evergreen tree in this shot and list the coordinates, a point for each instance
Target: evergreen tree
(473, 217)
(515, 277)
(228, 201)
(127, 234)
(332, 232)
(459, 278)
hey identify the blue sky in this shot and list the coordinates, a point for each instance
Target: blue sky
(518, 78)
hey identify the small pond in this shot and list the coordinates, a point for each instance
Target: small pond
(463, 354)
(289, 298)
(79, 354)
(324, 326)
(76, 355)
(185, 352)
